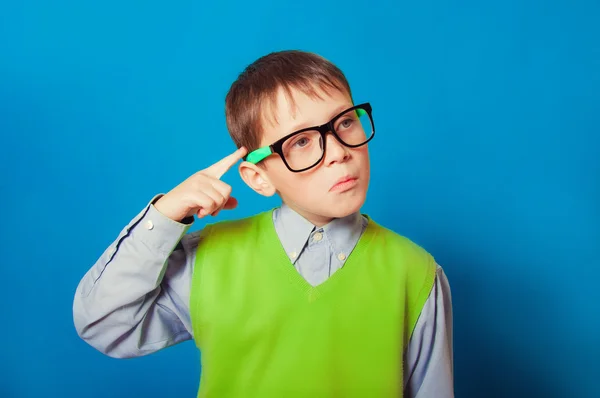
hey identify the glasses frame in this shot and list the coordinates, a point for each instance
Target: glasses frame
(262, 153)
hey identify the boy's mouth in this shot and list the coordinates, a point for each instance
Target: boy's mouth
(343, 184)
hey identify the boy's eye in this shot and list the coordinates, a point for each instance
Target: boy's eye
(302, 142)
(345, 124)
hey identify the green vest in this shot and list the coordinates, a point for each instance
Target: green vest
(263, 331)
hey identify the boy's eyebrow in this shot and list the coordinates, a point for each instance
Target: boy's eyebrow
(339, 109)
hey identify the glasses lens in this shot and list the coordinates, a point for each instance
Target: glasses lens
(354, 127)
(303, 150)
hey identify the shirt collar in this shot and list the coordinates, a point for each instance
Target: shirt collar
(294, 231)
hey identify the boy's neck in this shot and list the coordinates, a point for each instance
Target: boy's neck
(314, 219)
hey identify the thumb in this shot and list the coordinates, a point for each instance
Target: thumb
(231, 203)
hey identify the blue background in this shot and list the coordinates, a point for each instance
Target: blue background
(487, 154)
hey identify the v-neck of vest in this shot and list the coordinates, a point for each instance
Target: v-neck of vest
(294, 277)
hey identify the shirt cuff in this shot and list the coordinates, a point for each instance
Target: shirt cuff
(158, 231)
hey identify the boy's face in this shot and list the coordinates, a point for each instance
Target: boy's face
(317, 193)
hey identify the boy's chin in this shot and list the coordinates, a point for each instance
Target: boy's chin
(343, 208)
(340, 207)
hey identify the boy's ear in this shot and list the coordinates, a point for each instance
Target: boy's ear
(256, 178)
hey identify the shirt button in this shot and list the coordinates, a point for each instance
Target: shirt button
(293, 255)
(149, 224)
(317, 237)
(341, 256)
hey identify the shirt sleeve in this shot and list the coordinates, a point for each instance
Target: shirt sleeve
(429, 370)
(135, 299)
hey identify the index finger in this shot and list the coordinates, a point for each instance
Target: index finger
(222, 166)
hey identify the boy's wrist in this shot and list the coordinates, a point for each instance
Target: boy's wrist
(185, 221)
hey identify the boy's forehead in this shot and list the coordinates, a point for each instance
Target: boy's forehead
(295, 109)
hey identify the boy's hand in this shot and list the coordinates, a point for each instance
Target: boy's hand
(203, 193)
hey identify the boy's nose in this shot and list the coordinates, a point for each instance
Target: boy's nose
(335, 151)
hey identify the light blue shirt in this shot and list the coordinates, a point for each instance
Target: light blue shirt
(135, 299)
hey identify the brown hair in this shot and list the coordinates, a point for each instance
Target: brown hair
(257, 86)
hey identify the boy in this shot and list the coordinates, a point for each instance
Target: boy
(311, 299)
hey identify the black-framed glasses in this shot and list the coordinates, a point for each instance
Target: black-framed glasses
(305, 148)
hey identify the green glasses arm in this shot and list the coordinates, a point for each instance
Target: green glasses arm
(259, 154)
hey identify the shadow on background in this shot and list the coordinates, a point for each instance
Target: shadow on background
(507, 345)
